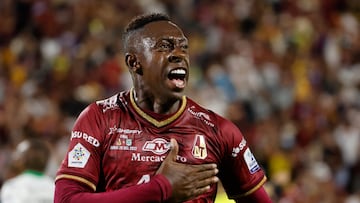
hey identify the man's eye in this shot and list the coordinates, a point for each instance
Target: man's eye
(185, 46)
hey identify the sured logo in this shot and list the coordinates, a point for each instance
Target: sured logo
(158, 146)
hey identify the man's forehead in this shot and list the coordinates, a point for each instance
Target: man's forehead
(162, 29)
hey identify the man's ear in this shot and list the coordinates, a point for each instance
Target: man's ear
(133, 64)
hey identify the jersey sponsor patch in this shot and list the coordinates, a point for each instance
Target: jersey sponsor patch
(201, 115)
(158, 146)
(236, 150)
(123, 142)
(251, 162)
(78, 156)
(88, 138)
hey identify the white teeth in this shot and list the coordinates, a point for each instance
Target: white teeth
(178, 71)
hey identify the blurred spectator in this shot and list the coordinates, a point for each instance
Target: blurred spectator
(29, 183)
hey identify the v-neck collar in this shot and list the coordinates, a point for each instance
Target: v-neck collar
(152, 120)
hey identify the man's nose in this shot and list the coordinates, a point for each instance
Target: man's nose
(175, 58)
(177, 55)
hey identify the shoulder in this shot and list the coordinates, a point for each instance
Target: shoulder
(198, 110)
(225, 132)
(212, 118)
(104, 106)
(14, 182)
(97, 116)
(112, 103)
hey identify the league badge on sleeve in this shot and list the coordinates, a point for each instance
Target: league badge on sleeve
(251, 162)
(78, 156)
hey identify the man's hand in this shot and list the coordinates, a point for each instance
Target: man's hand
(188, 181)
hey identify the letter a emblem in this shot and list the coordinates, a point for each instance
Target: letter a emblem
(199, 150)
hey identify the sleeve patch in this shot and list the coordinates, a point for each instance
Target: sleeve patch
(78, 156)
(251, 162)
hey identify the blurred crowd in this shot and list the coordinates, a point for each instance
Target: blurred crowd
(286, 72)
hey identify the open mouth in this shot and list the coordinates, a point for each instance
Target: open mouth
(177, 77)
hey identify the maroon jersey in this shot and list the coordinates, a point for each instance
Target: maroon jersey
(114, 144)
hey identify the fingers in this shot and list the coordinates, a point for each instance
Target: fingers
(207, 174)
(206, 182)
(205, 167)
(174, 149)
(206, 178)
(170, 159)
(199, 191)
(204, 186)
(187, 180)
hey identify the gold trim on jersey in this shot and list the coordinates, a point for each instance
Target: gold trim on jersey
(153, 120)
(256, 187)
(252, 190)
(77, 178)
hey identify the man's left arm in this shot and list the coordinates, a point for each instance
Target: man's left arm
(241, 175)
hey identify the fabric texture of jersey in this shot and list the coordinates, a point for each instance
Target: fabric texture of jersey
(114, 144)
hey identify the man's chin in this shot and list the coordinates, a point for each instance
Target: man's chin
(177, 93)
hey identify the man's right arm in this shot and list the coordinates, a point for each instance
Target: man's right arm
(157, 190)
(173, 181)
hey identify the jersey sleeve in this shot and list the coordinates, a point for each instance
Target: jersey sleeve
(157, 190)
(83, 159)
(239, 173)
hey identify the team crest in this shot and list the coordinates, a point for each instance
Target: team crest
(199, 150)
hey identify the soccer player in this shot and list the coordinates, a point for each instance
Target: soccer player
(121, 143)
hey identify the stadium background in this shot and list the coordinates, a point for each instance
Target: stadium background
(287, 72)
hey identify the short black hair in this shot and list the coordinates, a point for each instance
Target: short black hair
(139, 22)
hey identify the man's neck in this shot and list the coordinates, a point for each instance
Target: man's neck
(150, 103)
